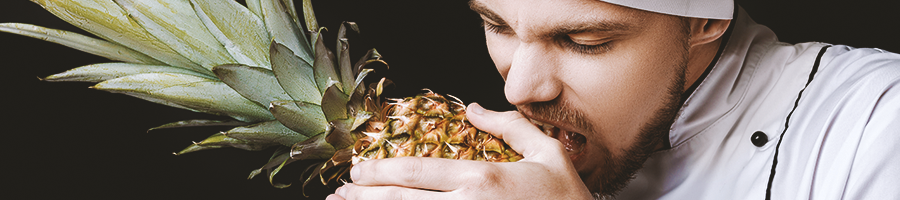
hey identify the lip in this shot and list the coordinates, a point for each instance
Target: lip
(561, 132)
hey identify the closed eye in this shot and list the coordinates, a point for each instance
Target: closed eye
(590, 47)
(496, 28)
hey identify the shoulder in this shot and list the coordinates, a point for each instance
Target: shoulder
(851, 110)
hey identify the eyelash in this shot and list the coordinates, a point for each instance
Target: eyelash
(587, 49)
(566, 42)
(498, 29)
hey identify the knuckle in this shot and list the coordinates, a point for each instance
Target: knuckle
(485, 175)
(411, 171)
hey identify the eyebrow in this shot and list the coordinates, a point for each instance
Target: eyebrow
(560, 30)
(481, 9)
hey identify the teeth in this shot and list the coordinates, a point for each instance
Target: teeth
(574, 142)
(548, 129)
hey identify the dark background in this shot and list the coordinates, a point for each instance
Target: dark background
(65, 140)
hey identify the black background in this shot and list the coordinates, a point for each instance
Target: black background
(64, 140)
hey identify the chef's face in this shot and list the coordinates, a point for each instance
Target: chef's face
(610, 77)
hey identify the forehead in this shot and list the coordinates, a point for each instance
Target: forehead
(537, 16)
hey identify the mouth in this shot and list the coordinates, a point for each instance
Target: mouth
(573, 142)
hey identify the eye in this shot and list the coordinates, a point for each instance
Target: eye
(590, 47)
(496, 28)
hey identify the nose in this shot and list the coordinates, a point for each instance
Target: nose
(532, 75)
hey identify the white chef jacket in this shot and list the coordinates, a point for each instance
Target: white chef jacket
(835, 110)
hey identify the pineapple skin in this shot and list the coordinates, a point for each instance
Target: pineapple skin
(428, 125)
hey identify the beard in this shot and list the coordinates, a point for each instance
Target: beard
(621, 167)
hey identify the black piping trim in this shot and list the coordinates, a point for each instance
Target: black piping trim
(812, 74)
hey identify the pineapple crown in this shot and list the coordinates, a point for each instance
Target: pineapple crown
(258, 64)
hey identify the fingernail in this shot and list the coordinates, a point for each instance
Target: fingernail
(340, 191)
(354, 172)
(476, 108)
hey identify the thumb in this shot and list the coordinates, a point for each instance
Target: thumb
(515, 130)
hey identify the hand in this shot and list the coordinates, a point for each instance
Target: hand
(545, 173)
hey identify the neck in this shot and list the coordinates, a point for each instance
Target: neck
(699, 58)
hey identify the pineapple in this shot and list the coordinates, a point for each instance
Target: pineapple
(271, 72)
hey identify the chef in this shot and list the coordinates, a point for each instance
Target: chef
(665, 99)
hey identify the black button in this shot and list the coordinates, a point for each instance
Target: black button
(759, 139)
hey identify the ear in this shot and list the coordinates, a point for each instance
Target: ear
(704, 31)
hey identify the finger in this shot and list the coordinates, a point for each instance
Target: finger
(354, 192)
(334, 197)
(429, 173)
(515, 129)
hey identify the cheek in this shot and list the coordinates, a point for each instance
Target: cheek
(622, 90)
(502, 50)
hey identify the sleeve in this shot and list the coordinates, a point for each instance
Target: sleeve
(875, 171)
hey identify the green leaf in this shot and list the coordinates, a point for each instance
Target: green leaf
(284, 30)
(105, 71)
(254, 6)
(219, 140)
(109, 21)
(294, 75)
(254, 83)
(198, 123)
(343, 48)
(340, 137)
(324, 65)
(80, 42)
(188, 92)
(272, 176)
(358, 83)
(271, 132)
(302, 117)
(310, 17)
(371, 56)
(242, 33)
(313, 148)
(277, 158)
(334, 104)
(177, 25)
(292, 10)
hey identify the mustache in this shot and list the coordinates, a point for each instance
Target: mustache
(559, 110)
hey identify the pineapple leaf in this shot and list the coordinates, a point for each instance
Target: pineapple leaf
(295, 76)
(254, 6)
(334, 104)
(302, 117)
(316, 170)
(105, 71)
(313, 148)
(242, 33)
(219, 140)
(284, 30)
(292, 10)
(340, 137)
(275, 171)
(198, 123)
(343, 48)
(188, 92)
(80, 42)
(324, 65)
(280, 155)
(271, 132)
(254, 83)
(371, 56)
(309, 16)
(177, 25)
(109, 21)
(360, 89)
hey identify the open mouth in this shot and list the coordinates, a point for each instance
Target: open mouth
(573, 142)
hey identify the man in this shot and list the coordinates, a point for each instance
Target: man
(665, 100)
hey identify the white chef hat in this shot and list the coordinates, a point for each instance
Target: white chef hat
(710, 9)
